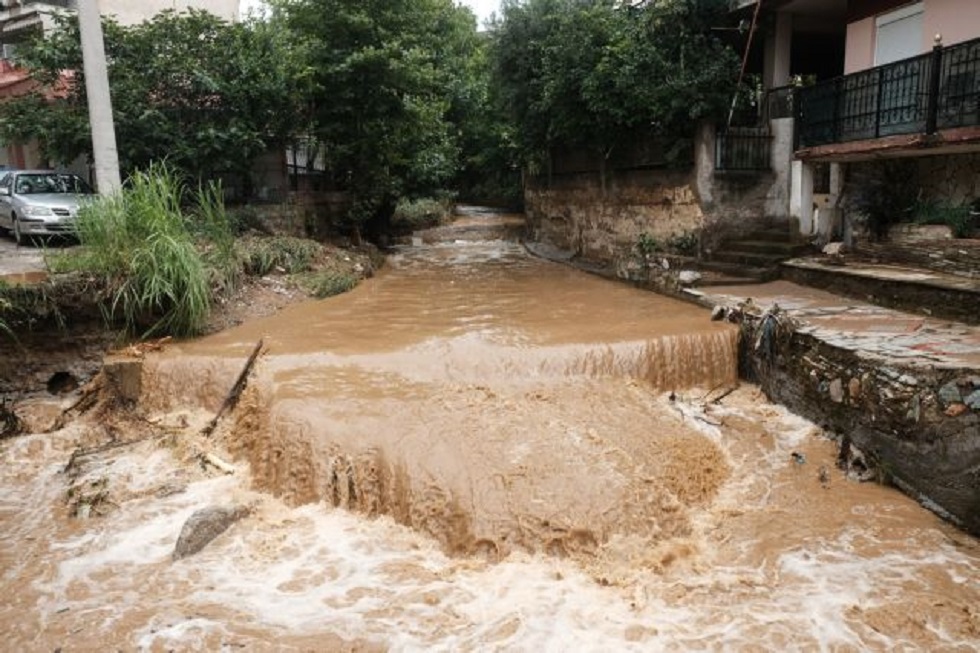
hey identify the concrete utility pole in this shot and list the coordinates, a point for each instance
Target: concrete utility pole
(99, 101)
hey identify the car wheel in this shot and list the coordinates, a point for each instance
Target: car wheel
(18, 237)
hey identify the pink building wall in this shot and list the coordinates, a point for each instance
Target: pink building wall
(860, 46)
(955, 20)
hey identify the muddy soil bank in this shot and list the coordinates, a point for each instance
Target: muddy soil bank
(58, 328)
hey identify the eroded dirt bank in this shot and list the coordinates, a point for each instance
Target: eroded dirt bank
(473, 450)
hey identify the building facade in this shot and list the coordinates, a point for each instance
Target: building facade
(862, 82)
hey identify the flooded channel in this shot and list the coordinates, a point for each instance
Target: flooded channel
(478, 450)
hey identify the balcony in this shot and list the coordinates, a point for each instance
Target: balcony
(936, 91)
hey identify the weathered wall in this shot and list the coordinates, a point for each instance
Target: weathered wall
(599, 222)
(575, 214)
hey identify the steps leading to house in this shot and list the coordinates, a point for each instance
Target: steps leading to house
(753, 258)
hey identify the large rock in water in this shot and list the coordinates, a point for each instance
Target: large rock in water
(205, 525)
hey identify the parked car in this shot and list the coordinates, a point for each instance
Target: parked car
(40, 202)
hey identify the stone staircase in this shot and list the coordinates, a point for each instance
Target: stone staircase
(752, 258)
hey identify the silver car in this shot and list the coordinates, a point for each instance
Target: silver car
(40, 202)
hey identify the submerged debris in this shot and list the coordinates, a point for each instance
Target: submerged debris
(10, 424)
(851, 460)
(824, 476)
(90, 497)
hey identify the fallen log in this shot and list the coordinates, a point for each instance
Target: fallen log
(236, 391)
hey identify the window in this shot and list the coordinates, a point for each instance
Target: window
(898, 34)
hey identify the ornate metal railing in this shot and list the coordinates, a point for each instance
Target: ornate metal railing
(743, 148)
(938, 90)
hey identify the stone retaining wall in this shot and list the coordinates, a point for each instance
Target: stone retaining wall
(920, 426)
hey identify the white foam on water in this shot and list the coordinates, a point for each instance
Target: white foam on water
(312, 570)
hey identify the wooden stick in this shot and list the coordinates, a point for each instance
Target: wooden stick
(235, 392)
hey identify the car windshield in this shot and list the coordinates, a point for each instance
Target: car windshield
(50, 182)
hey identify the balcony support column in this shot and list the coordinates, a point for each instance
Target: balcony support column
(801, 197)
(776, 62)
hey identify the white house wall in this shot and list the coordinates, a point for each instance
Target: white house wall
(129, 12)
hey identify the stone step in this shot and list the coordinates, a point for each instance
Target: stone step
(780, 248)
(718, 273)
(748, 258)
(780, 234)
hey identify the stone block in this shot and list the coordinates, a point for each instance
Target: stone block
(125, 377)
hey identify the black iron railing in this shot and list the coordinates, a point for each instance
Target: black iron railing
(779, 102)
(937, 90)
(743, 148)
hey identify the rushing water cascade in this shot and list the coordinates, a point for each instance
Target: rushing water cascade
(487, 398)
(478, 450)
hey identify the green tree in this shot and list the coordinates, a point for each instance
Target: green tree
(389, 86)
(600, 74)
(206, 95)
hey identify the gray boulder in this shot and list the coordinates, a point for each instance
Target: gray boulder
(205, 525)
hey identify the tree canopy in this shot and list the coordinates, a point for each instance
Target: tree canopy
(392, 79)
(599, 74)
(206, 95)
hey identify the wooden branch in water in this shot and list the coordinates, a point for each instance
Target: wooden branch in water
(235, 392)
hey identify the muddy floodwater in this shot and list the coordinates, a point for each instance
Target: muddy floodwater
(474, 450)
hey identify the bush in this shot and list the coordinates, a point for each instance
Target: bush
(958, 217)
(882, 194)
(260, 256)
(421, 213)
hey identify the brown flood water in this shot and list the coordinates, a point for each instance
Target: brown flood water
(478, 450)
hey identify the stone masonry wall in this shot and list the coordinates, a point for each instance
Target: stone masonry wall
(951, 178)
(919, 425)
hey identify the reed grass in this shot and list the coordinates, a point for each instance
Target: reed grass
(141, 242)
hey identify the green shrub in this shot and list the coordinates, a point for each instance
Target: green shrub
(261, 256)
(329, 283)
(421, 213)
(958, 217)
(647, 245)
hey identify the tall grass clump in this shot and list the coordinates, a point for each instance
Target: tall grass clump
(140, 242)
(213, 225)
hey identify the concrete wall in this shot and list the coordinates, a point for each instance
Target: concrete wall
(955, 20)
(129, 12)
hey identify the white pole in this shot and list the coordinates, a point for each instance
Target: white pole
(99, 101)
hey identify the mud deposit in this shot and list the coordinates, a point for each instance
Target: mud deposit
(475, 450)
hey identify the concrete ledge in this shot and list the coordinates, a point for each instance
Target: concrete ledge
(918, 291)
